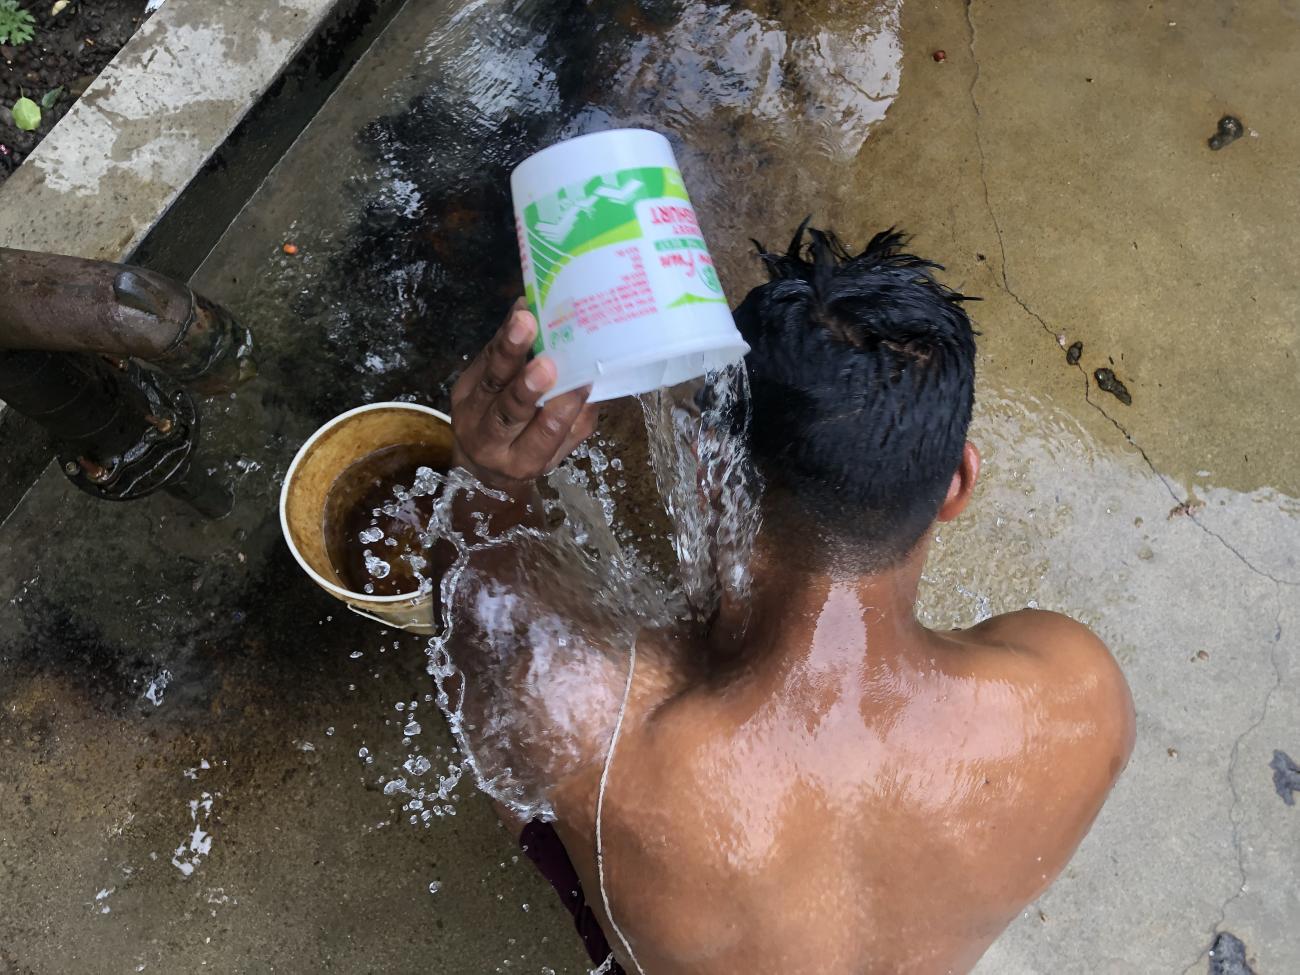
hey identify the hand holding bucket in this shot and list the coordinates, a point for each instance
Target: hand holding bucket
(616, 270)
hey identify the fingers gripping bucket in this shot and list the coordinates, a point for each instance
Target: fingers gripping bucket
(330, 451)
(615, 267)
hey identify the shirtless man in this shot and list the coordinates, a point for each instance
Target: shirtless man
(847, 791)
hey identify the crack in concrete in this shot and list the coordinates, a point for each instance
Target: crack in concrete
(1087, 384)
(1244, 560)
(1234, 816)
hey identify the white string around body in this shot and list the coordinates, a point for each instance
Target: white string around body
(600, 809)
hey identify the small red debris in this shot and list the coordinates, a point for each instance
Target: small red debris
(940, 55)
(290, 249)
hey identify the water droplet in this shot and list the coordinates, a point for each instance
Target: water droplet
(417, 765)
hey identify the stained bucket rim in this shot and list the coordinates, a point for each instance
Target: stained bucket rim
(346, 595)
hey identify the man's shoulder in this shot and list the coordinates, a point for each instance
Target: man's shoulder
(1052, 637)
(1070, 663)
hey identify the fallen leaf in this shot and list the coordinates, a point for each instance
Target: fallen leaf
(27, 114)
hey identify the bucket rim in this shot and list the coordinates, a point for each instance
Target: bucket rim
(347, 595)
(600, 369)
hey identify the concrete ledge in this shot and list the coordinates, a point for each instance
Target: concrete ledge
(121, 156)
(170, 141)
(191, 227)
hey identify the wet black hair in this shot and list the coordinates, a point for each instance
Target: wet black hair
(862, 375)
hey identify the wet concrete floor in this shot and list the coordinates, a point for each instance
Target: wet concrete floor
(182, 714)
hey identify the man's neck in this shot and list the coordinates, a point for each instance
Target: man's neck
(813, 609)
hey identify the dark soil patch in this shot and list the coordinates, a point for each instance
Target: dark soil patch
(69, 50)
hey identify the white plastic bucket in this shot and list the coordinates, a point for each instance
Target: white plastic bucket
(330, 451)
(615, 267)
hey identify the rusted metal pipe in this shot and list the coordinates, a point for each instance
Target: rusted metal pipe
(98, 354)
(122, 431)
(79, 399)
(65, 304)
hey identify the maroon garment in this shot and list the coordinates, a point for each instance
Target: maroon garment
(542, 845)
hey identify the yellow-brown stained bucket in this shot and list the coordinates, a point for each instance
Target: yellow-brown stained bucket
(330, 451)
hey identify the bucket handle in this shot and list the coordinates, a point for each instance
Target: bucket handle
(379, 619)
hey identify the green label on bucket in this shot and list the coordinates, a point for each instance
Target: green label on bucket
(590, 215)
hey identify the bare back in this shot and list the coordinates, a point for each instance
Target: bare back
(846, 791)
(854, 811)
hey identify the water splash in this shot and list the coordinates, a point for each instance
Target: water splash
(157, 686)
(192, 850)
(540, 619)
(697, 440)
(542, 615)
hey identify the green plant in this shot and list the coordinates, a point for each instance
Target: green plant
(27, 114)
(16, 25)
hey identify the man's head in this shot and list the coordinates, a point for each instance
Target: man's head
(862, 378)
